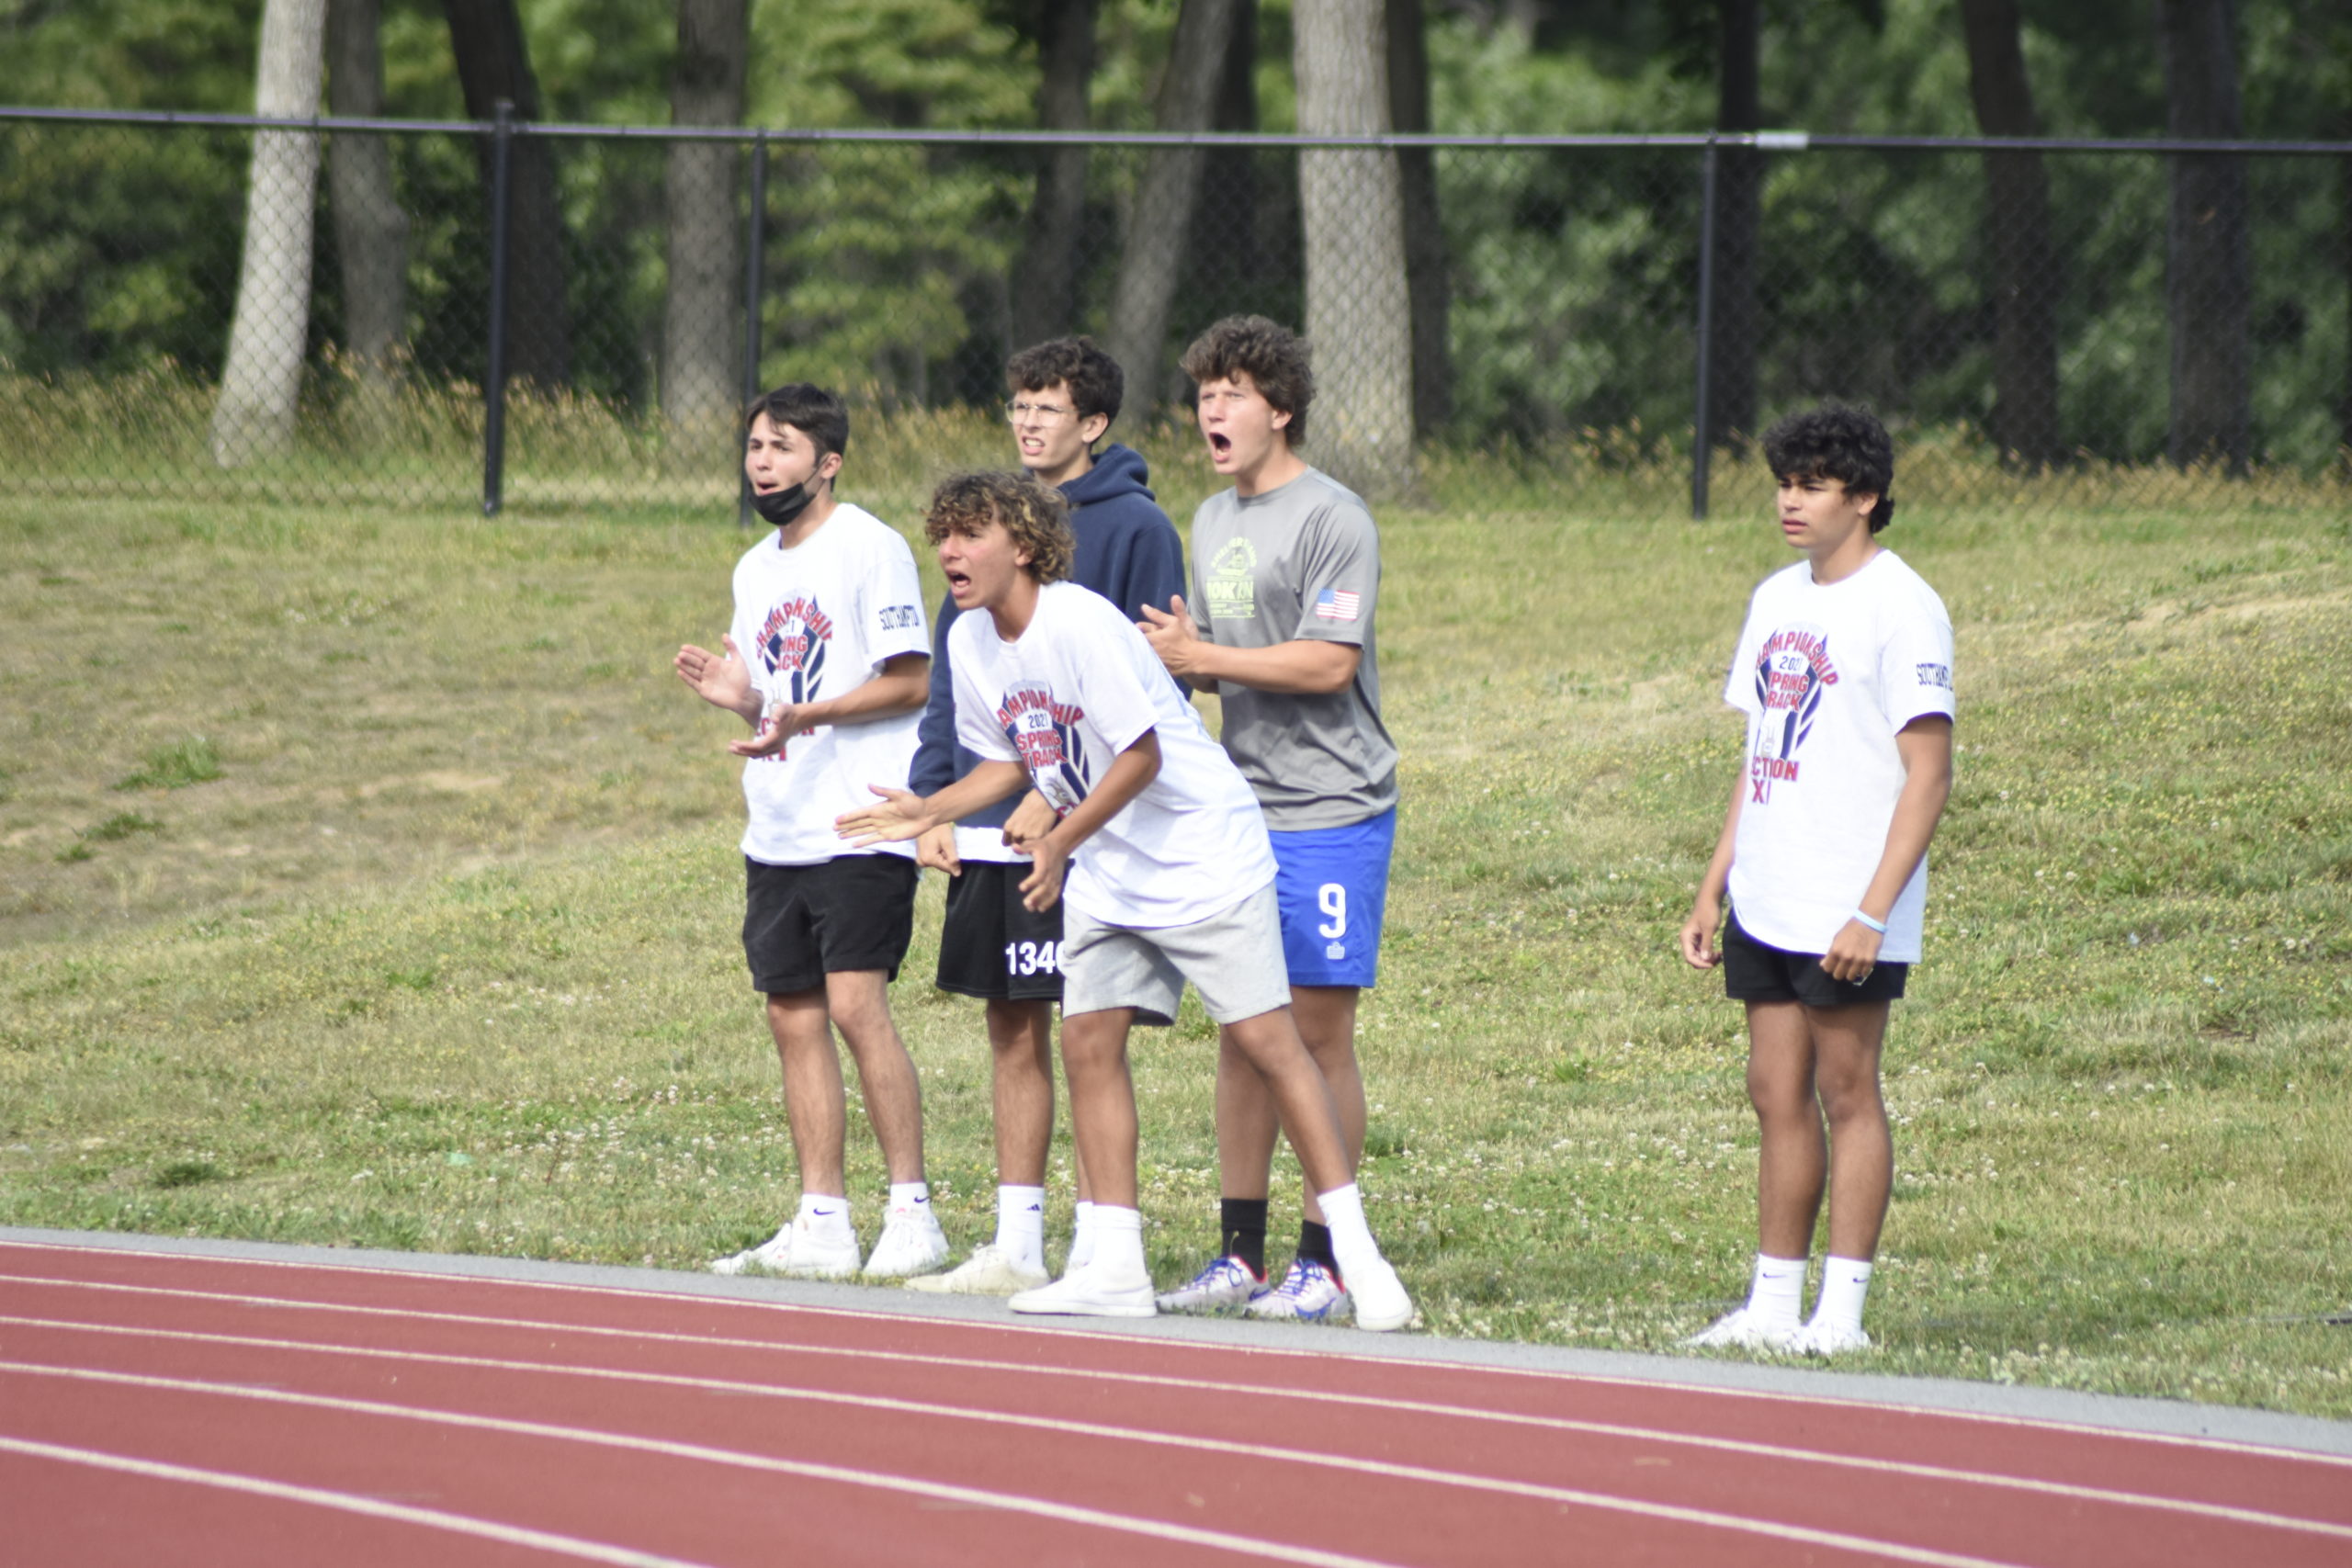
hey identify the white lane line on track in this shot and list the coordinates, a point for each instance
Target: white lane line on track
(1037, 1330)
(2072, 1490)
(1569, 1496)
(348, 1502)
(1184, 1535)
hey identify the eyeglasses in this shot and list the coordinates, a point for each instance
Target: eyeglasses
(1042, 413)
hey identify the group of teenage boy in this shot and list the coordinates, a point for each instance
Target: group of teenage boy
(1037, 741)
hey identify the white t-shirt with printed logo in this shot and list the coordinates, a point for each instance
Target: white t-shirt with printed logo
(1827, 675)
(816, 621)
(1078, 688)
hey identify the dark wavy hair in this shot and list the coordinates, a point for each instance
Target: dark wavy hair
(1274, 359)
(1036, 517)
(1095, 381)
(1837, 442)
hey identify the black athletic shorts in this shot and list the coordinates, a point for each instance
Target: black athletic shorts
(804, 922)
(1755, 973)
(992, 947)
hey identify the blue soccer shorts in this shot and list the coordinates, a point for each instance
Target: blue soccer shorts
(1333, 884)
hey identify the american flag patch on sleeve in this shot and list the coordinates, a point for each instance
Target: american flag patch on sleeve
(1335, 604)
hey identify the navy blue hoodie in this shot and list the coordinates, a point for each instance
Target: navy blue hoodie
(1128, 551)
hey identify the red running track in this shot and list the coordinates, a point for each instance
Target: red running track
(160, 1407)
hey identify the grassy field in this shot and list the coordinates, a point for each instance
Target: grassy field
(365, 877)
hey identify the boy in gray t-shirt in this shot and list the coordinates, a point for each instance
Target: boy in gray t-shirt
(1286, 580)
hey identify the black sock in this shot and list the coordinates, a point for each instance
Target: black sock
(1314, 1244)
(1243, 1222)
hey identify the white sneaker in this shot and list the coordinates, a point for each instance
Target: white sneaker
(799, 1251)
(1738, 1329)
(1087, 1292)
(911, 1243)
(773, 1256)
(1224, 1285)
(990, 1271)
(1381, 1303)
(1819, 1338)
(1308, 1294)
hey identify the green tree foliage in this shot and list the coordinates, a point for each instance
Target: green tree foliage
(889, 268)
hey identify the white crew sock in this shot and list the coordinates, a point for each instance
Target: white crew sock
(1118, 1235)
(1776, 1299)
(826, 1213)
(909, 1194)
(1082, 1238)
(1021, 1226)
(1844, 1283)
(1351, 1235)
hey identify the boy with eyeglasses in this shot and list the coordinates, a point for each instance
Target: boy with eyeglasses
(1063, 396)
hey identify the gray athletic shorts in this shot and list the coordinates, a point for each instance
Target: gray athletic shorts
(1234, 959)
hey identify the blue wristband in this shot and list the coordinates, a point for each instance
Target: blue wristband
(1878, 926)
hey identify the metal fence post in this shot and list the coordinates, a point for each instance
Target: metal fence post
(1701, 437)
(754, 264)
(493, 421)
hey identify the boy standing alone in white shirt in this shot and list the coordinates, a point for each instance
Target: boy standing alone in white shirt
(829, 664)
(1844, 671)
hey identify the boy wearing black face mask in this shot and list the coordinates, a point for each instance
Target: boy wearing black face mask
(829, 662)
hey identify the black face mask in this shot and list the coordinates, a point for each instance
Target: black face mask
(781, 506)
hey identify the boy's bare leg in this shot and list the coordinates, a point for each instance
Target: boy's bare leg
(859, 1000)
(1791, 1164)
(1270, 1044)
(1103, 1102)
(1325, 1017)
(814, 1106)
(1021, 1048)
(1846, 1042)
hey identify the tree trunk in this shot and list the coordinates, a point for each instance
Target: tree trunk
(1160, 228)
(1739, 194)
(1358, 310)
(1045, 304)
(371, 230)
(494, 63)
(2209, 276)
(263, 379)
(1245, 237)
(2025, 270)
(702, 314)
(1425, 259)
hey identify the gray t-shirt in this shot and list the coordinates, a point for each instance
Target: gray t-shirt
(1299, 561)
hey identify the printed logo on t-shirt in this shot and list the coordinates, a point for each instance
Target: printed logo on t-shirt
(1232, 583)
(897, 617)
(1936, 675)
(1792, 671)
(1335, 604)
(791, 648)
(1044, 734)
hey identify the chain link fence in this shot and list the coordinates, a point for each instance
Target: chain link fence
(447, 314)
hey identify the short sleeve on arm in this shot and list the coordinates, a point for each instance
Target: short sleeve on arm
(976, 724)
(1915, 663)
(1342, 577)
(892, 604)
(1739, 681)
(1110, 679)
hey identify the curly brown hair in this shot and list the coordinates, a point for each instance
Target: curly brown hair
(1095, 381)
(1270, 354)
(1036, 517)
